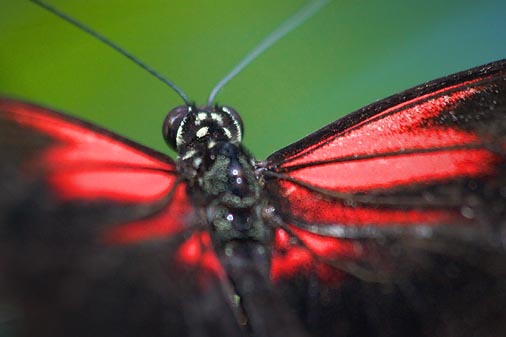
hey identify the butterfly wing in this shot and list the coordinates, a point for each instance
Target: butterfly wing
(392, 218)
(94, 235)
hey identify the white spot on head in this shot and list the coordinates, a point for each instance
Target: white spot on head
(196, 162)
(238, 128)
(217, 117)
(227, 133)
(202, 132)
(179, 133)
(202, 116)
(227, 110)
(235, 121)
(189, 154)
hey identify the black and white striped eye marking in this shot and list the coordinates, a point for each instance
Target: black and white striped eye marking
(186, 125)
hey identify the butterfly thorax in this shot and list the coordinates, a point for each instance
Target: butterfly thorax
(219, 171)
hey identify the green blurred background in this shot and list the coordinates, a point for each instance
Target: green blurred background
(348, 55)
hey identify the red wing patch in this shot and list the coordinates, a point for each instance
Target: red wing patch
(398, 128)
(173, 219)
(414, 158)
(198, 252)
(82, 162)
(86, 162)
(310, 254)
(310, 207)
(402, 145)
(397, 169)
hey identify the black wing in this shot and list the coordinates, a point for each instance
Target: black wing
(94, 236)
(394, 216)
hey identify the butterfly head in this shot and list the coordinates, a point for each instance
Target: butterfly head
(188, 125)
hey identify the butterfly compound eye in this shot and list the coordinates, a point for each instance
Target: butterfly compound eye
(172, 123)
(236, 121)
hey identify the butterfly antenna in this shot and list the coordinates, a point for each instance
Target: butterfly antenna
(114, 46)
(286, 27)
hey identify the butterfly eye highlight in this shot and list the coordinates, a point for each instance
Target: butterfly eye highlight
(172, 123)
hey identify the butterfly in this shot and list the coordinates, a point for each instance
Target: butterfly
(387, 222)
